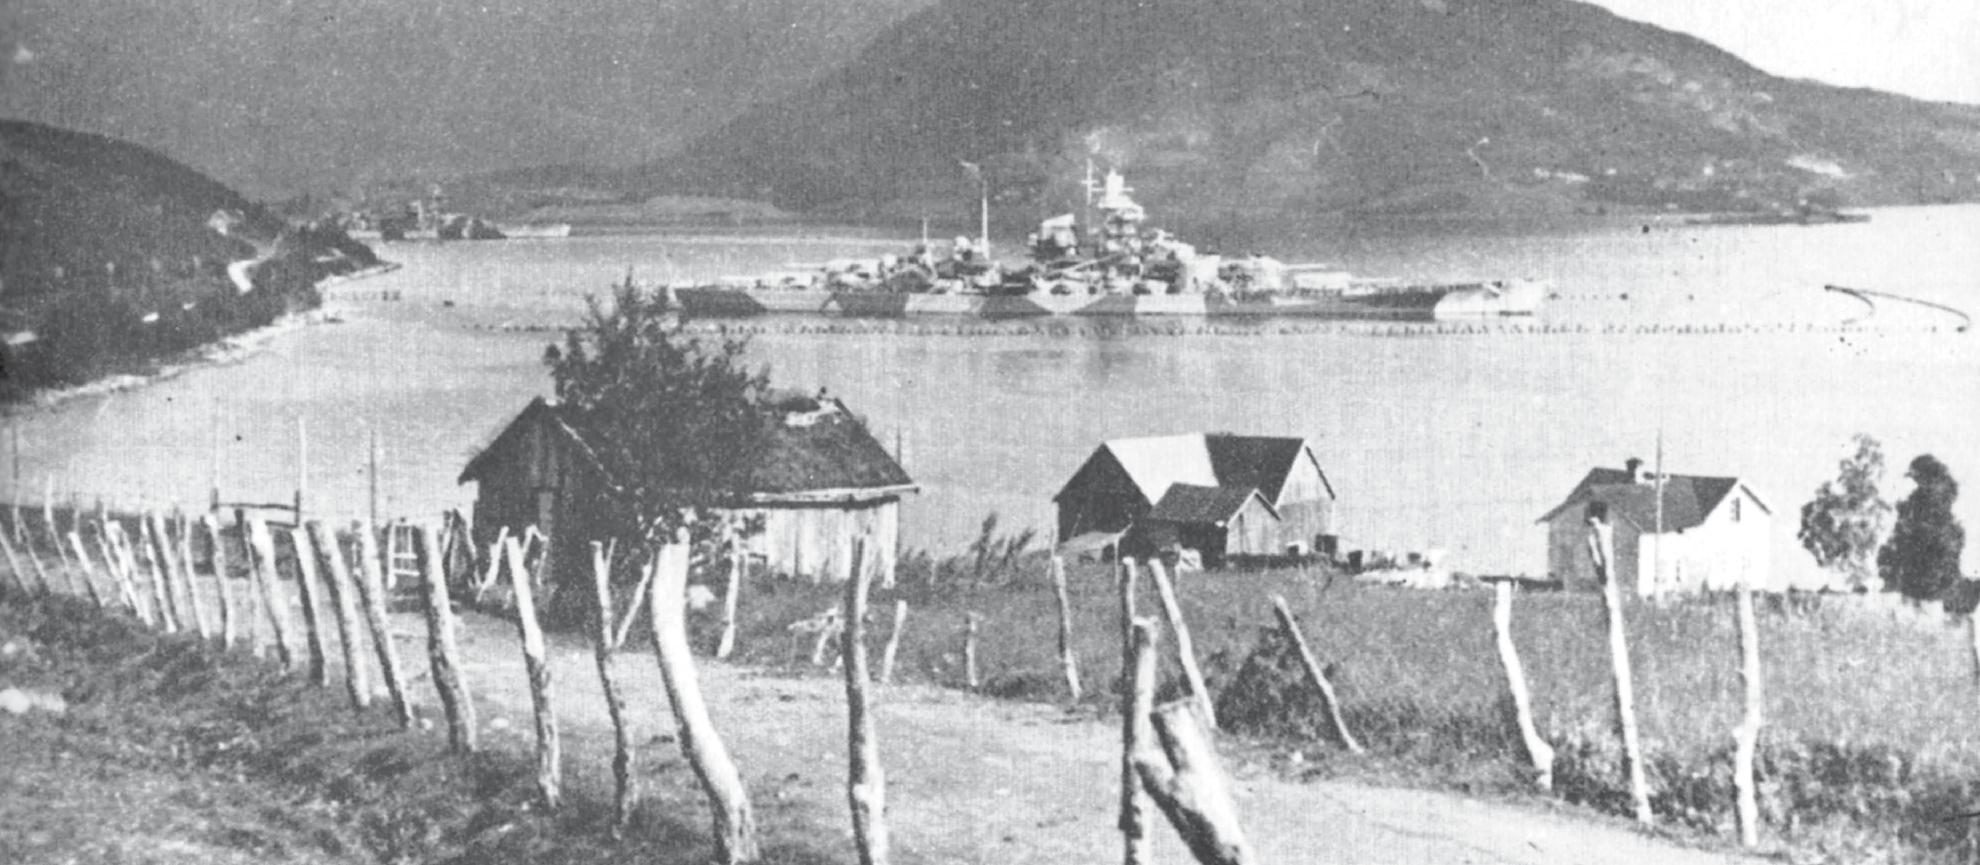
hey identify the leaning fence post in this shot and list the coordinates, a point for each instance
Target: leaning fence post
(734, 820)
(443, 650)
(1137, 694)
(1601, 548)
(893, 649)
(120, 543)
(230, 613)
(1067, 660)
(343, 598)
(180, 558)
(34, 559)
(14, 562)
(106, 546)
(55, 535)
(1746, 738)
(268, 584)
(866, 782)
(161, 584)
(729, 598)
(371, 591)
(1185, 780)
(88, 569)
(1185, 648)
(536, 661)
(311, 591)
(970, 622)
(1315, 676)
(603, 649)
(1538, 751)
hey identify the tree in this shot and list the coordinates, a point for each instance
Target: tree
(1922, 558)
(1845, 523)
(673, 420)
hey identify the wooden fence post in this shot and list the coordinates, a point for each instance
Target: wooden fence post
(603, 649)
(371, 591)
(343, 598)
(1187, 783)
(970, 623)
(1315, 676)
(310, 588)
(34, 559)
(1746, 738)
(158, 547)
(866, 782)
(179, 558)
(1538, 751)
(727, 644)
(1067, 660)
(126, 591)
(1185, 647)
(55, 536)
(230, 613)
(268, 585)
(14, 562)
(443, 650)
(87, 569)
(893, 643)
(120, 544)
(734, 820)
(1138, 671)
(536, 661)
(1601, 549)
(162, 596)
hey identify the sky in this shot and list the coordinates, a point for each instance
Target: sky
(1929, 49)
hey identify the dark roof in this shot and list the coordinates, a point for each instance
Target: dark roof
(819, 448)
(1260, 462)
(1688, 499)
(1188, 503)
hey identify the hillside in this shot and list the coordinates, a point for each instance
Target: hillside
(111, 252)
(1259, 108)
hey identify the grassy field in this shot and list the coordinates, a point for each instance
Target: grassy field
(1868, 744)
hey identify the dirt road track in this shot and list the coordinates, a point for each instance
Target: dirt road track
(973, 780)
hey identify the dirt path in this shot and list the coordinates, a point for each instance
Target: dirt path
(975, 780)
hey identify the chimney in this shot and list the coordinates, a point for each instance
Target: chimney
(1634, 468)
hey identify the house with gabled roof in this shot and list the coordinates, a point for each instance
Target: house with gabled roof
(1672, 533)
(1219, 494)
(819, 480)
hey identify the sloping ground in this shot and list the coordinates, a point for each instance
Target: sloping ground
(173, 753)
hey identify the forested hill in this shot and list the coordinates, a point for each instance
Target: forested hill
(110, 252)
(1268, 107)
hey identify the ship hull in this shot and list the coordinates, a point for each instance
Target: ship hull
(1409, 303)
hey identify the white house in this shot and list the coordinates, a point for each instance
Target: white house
(1680, 533)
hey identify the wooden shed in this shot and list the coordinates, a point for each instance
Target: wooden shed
(820, 481)
(1219, 494)
(1671, 534)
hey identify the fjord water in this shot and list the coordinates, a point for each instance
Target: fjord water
(1722, 338)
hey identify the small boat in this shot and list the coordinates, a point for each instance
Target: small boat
(1802, 215)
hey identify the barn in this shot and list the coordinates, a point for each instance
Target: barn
(1220, 494)
(820, 481)
(1672, 535)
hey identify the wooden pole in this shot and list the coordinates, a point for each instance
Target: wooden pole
(310, 588)
(970, 621)
(866, 782)
(1538, 751)
(371, 591)
(1746, 738)
(734, 820)
(1315, 676)
(107, 548)
(87, 569)
(27, 546)
(727, 644)
(603, 649)
(1188, 784)
(638, 599)
(1067, 660)
(230, 613)
(442, 648)
(162, 596)
(1138, 669)
(202, 615)
(268, 586)
(14, 561)
(343, 599)
(536, 660)
(120, 542)
(55, 536)
(1185, 647)
(1601, 548)
(179, 575)
(893, 649)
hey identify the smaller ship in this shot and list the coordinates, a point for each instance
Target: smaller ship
(1803, 213)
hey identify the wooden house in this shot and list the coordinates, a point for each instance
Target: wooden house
(819, 482)
(1219, 494)
(1674, 534)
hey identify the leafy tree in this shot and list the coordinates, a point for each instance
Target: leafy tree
(1845, 523)
(673, 419)
(1922, 558)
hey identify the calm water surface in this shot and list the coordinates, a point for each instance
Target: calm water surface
(1455, 442)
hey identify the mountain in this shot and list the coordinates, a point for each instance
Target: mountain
(280, 97)
(111, 253)
(1294, 108)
